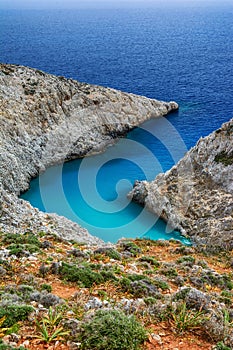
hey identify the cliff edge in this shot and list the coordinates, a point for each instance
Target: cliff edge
(196, 195)
(47, 120)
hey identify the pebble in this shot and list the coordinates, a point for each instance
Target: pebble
(157, 338)
(162, 334)
(93, 303)
(26, 343)
(70, 313)
(32, 258)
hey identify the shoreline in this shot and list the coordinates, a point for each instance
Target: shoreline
(48, 119)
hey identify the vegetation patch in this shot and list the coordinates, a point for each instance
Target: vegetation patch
(85, 275)
(20, 250)
(149, 259)
(9, 347)
(26, 238)
(224, 158)
(14, 314)
(184, 319)
(130, 247)
(112, 329)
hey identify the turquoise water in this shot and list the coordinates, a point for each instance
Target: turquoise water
(93, 191)
(182, 54)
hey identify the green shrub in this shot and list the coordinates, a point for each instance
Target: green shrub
(26, 238)
(112, 330)
(130, 247)
(226, 297)
(47, 287)
(19, 249)
(185, 319)
(9, 347)
(224, 158)
(169, 272)
(150, 260)
(83, 275)
(161, 284)
(187, 258)
(125, 282)
(151, 300)
(108, 275)
(222, 346)
(113, 254)
(135, 277)
(15, 313)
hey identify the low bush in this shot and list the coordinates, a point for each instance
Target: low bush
(9, 347)
(26, 238)
(131, 247)
(187, 258)
(150, 260)
(21, 249)
(222, 346)
(112, 329)
(184, 319)
(83, 275)
(14, 314)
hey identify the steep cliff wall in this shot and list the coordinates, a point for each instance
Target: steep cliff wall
(196, 195)
(47, 120)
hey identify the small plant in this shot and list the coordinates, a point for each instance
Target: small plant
(150, 300)
(50, 328)
(161, 284)
(125, 282)
(169, 272)
(227, 321)
(26, 238)
(83, 275)
(2, 329)
(184, 319)
(47, 287)
(187, 258)
(224, 158)
(112, 329)
(20, 249)
(53, 318)
(222, 346)
(226, 297)
(130, 247)
(47, 335)
(113, 254)
(4, 346)
(15, 313)
(150, 260)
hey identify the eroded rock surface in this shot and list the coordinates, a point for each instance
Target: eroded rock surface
(196, 195)
(47, 120)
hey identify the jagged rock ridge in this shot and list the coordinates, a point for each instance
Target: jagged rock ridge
(196, 195)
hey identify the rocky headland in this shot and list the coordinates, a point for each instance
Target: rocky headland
(47, 120)
(62, 288)
(196, 195)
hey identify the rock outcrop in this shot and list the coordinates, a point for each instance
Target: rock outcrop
(47, 120)
(196, 195)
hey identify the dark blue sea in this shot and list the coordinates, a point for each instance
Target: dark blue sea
(176, 54)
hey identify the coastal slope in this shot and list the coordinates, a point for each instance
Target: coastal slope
(196, 195)
(47, 120)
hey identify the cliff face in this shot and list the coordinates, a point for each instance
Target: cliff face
(47, 120)
(196, 195)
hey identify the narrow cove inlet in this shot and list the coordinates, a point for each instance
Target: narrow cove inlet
(93, 191)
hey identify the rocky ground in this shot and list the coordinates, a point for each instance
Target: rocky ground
(196, 195)
(57, 294)
(47, 120)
